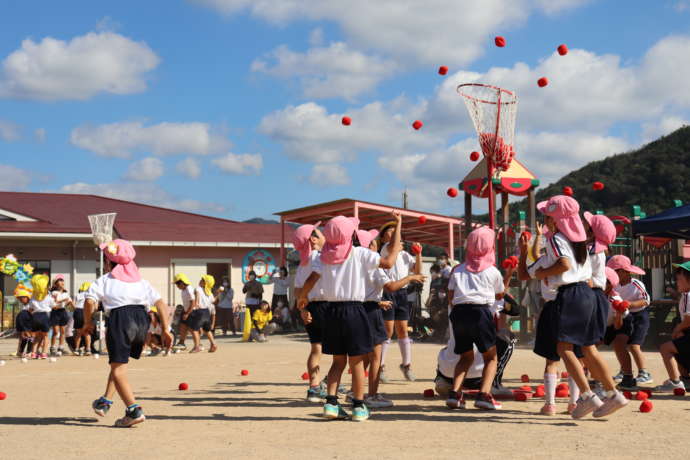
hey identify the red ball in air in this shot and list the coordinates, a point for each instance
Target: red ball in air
(442, 70)
(452, 192)
(567, 191)
(679, 391)
(416, 248)
(628, 395)
(244, 372)
(646, 406)
(641, 396)
(598, 186)
(520, 396)
(305, 376)
(347, 121)
(417, 124)
(564, 375)
(524, 378)
(500, 41)
(563, 49)
(422, 220)
(428, 393)
(543, 81)
(474, 156)
(183, 387)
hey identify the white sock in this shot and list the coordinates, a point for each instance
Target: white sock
(550, 388)
(405, 350)
(574, 390)
(384, 349)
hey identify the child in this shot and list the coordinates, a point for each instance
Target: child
(254, 291)
(308, 241)
(398, 317)
(188, 305)
(201, 317)
(614, 318)
(40, 306)
(473, 287)
(631, 336)
(677, 351)
(59, 316)
(261, 319)
(23, 321)
(153, 338)
(79, 321)
(341, 270)
(281, 286)
(124, 295)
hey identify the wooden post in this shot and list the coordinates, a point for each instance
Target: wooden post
(505, 222)
(282, 241)
(468, 214)
(451, 244)
(531, 211)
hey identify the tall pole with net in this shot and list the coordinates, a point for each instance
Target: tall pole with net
(102, 233)
(493, 111)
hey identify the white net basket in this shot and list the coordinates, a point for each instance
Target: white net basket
(493, 111)
(102, 227)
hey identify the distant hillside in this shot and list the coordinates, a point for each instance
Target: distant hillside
(259, 220)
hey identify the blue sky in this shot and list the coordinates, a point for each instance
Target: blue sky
(232, 107)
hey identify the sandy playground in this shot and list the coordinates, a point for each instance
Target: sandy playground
(47, 413)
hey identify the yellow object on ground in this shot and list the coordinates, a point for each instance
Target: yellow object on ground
(247, 328)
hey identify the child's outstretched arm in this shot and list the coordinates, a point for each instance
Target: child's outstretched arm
(394, 248)
(393, 286)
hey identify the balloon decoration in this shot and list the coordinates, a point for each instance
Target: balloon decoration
(11, 267)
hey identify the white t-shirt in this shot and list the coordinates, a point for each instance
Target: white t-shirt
(447, 360)
(346, 282)
(548, 292)
(114, 293)
(43, 306)
(598, 262)
(280, 285)
(61, 298)
(79, 301)
(446, 271)
(684, 305)
(633, 291)
(226, 298)
(475, 288)
(187, 295)
(403, 264)
(204, 302)
(303, 272)
(375, 282)
(558, 246)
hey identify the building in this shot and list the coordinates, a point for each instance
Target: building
(51, 231)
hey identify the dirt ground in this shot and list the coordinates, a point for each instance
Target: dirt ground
(47, 413)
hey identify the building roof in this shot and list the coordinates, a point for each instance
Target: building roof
(516, 180)
(55, 213)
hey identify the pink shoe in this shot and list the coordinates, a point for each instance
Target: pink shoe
(571, 408)
(43, 356)
(548, 409)
(34, 356)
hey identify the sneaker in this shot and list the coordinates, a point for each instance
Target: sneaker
(628, 383)
(34, 356)
(501, 391)
(131, 418)
(378, 402)
(349, 396)
(195, 350)
(87, 353)
(180, 346)
(644, 377)
(571, 408)
(60, 351)
(360, 413)
(51, 351)
(548, 409)
(101, 406)
(618, 377)
(486, 401)
(611, 405)
(686, 381)
(315, 395)
(334, 412)
(43, 356)
(455, 400)
(668, 386)
(586, 406)
(383, 378)
(407, 372)
(213, 348)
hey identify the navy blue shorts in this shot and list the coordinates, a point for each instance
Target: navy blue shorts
(611, 333)
(346, 329)
(41, 321)
(59, 317)
(472, 324)
(546, 339)
(575, 306)
(23, 322)
(682, 344)
(78, 317)
(635, 326)
(376, 324)
(126, 334)
(315, 328)
(401, 307)
(597, 328)
(199, 319)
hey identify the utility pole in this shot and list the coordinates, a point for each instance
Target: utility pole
(405, 199)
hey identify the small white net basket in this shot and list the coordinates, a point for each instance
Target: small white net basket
(102, 227)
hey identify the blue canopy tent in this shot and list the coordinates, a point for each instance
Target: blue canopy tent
(672, 223)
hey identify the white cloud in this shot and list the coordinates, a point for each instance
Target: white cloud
(52, 69)
(13, 179)
(189, 167)
(40, 134)
(142, 193)
(666, 125)
(245, 164)
(432, 31)
(125, 138)
(316, 37)
(9, 131)
(681, 5)
(327, 175)
(325, 72)
(146, 170)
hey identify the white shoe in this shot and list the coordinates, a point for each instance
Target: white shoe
(378, 402)
(502, 391)
(668, 386)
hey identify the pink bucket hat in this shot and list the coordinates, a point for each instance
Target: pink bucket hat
(365, 237)
(301, 243)
(564, 211)
(621, 262)
(604, 231)
(122, 253)
(612, 277)
(338, 232)
(480, 250)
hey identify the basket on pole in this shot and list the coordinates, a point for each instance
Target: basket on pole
(102, 233)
